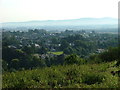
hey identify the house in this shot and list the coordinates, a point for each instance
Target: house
(100, 50)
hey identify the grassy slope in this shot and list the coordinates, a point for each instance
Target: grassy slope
(70, 76)
(57, 53)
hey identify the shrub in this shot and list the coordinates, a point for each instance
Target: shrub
(92, 78)
(73, 59)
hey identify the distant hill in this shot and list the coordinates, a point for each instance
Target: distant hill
(82, 23)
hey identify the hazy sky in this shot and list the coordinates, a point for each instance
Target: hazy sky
(27, 10)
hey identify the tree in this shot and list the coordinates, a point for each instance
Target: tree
(4, 65)
(37, 62)
(110, 55)
(28, 50)
(68, 50)
(15, 63)
(42, 50)
(71, 59)
(64, 44)
(79, 43)
(55, 40)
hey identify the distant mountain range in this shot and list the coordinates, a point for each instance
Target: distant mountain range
(82, 23)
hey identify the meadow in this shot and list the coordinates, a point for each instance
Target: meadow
(56, 53)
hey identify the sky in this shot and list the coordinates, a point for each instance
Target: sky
(28, 10)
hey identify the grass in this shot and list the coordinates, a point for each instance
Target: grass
(57, 53)
(69, 76)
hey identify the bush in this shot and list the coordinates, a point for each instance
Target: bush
(73, 59)
(92, 78)
(110, 55)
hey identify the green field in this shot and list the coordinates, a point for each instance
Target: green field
(57, 53)
(68, 76)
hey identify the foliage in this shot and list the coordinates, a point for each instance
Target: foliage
(68, 50)
(74, 59)
(109, 55)
(68, 76)
(28, 62)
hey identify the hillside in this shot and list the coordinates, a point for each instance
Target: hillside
(82, 23)
(67, 76)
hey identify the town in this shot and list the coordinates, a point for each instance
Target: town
(56, 44)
